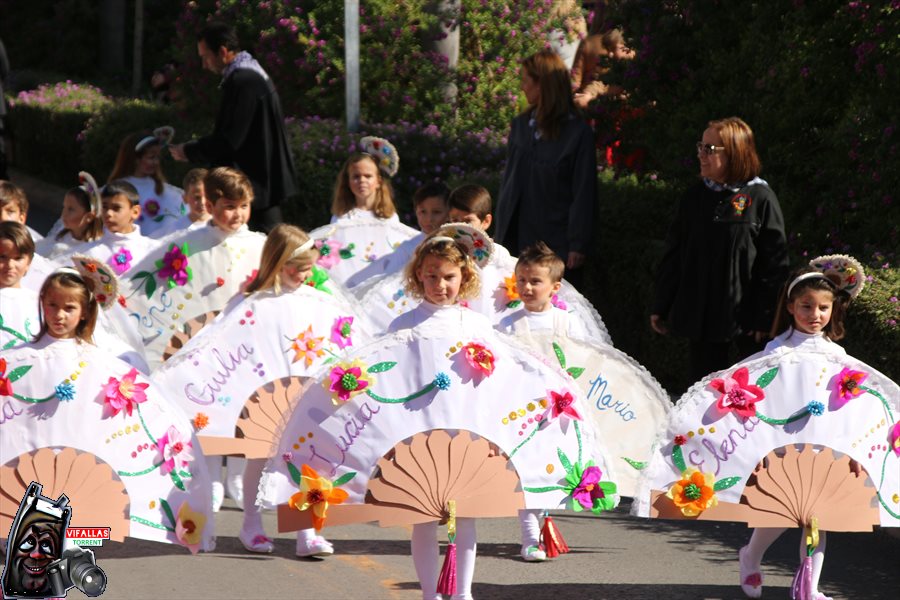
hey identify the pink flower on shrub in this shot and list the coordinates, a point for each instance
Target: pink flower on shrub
(123, 394)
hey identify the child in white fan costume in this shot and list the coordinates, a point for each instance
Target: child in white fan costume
(810, 316)
(442, 273)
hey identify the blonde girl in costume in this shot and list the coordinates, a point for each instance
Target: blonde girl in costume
(286, 263)
(811, 314)
(139, 163)
(441, 274)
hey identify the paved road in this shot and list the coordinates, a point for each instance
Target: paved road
(613, 556)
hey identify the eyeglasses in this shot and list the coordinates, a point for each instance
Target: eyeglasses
(709, 149)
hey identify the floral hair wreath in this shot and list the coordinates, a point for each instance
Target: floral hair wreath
(383, 152)
(476, 242)
(87, 182)
(161, 135)
(103, 282)
(844, 271)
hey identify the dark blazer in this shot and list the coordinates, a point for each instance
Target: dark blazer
(4, 76)
(549, 188)
(249, 135)
(725, 262)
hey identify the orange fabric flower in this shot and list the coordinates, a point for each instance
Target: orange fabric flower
(200, 421)
(512, 292)
(694, 492)
(317, 493)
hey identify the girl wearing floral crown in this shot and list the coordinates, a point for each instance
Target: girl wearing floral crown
(776, 441)
(62, 391)
(80, 221)
(365, 225)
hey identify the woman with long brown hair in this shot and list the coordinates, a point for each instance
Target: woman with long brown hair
(549, 187)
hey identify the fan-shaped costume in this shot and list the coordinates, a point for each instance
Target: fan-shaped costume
(125, 451)
(19, 317)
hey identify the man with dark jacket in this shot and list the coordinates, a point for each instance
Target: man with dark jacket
(249, 132)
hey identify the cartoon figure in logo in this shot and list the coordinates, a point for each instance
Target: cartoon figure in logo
(36, 566)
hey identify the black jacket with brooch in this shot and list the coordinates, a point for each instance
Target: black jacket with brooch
(249, 135)
(724, 265)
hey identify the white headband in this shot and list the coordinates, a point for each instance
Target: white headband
(145, 142)
(305, 246)
(804, 277)
(440, 238)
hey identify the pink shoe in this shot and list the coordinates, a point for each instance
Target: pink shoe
(260, 544)
(751, 577)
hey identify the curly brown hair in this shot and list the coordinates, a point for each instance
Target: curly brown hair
(447, 249)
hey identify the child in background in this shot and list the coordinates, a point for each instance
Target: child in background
(18, 305)
(441, 274)
(81, 219)
(361, 190)
(121, 244)
(431, 205)
(810, 314)
(471, 204)
(138, 163)
(194, 199)
(14, 206)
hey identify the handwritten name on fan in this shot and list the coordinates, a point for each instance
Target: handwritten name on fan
(227, 366)
(726, 448)
(605, 400)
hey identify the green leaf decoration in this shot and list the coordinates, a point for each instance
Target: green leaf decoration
(514, 304)
(158, 219)
(609, 487)
(560, 355)
(382, 367)
(150, 286)
(346, 477)
(636, 464)
(767, 377)
(603, 504)
(724, 484)
(176, 480)
(678, 459)
(18, 372)
(564, 460)
(168, 510)
(295, 473)
(575, 372)
(10, 344)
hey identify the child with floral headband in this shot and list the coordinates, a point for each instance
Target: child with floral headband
(139, 163)
(80, 220)
(64, 392)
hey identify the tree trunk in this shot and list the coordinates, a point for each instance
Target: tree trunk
(444, 39)
(112, 36)
(137, 62)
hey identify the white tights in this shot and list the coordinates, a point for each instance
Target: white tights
(529, 521)
(426, 555)
(763, 537)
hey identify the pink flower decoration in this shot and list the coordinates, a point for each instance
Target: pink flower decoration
(562, 404)
(121, 260)
(480, 357)
(738, 394)
(588, 489)
(151, 207)
(175, 450)
(174, 266)
(341, 331)
(347, 381)
(894, 438)
(846, 386)
(125, 393)
(329, 253)
(307, 347)
(558, 302)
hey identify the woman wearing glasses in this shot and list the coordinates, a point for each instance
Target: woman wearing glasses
(726, 254)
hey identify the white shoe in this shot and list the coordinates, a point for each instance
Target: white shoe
(218, 495)
(259, 544)
(533, 554)
(751, 576)
(317, 547)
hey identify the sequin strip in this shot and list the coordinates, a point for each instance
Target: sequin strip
(138, 473)
(403, 400)
(143, 521)
(146, 430)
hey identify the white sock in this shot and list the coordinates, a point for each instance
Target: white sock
(252, 515)
(234, 468)
(818, 558)
(760, 541)
(214, 466)
(465, 558)
(529, 521)
(424, 547)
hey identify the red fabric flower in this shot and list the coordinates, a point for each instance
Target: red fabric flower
(680, 440)
(5, 383)
(562, 404)
(738, 394)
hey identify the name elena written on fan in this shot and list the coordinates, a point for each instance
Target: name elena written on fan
(727, 447)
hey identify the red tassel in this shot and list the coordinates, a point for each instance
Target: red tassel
(552, 539)
(447, 579)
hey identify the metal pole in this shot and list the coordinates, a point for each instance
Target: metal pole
(351, 59)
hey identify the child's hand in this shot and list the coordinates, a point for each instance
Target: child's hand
(582, 100)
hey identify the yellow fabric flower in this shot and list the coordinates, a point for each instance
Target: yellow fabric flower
(694, 492)
(512, 292)
(317, 493)
(189, 527)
